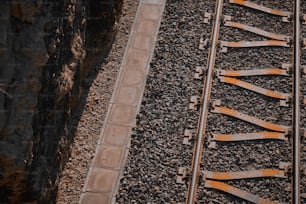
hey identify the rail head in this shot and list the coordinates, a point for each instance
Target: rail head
(192, 188)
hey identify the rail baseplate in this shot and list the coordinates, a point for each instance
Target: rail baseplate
(199, 72)
(188, 136)
(181, 175)
(194, 102)
(203, 43)
(208, 17)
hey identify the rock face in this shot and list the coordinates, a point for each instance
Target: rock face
(48, 50)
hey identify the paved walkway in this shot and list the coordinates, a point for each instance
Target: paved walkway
(112, 149)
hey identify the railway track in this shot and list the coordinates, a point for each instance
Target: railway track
(247, 143)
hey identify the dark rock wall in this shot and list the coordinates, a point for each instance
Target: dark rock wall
(48, 53)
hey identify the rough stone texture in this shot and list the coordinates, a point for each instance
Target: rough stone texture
(157, 149)
(48, 49)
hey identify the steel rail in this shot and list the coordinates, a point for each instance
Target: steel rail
(257, 31)
(192, 189)
(296, 119)
(249, 136)
(237, 192)
(254, 88)
(260, 43)
(259, 173)
(260, 8)
(250, 119)
(252, 72)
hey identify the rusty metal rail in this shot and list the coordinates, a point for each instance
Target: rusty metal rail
(192, 188)
(249, 136)
(285, 15)
(245, 174)
(248, 44)
(296, 108)
(250, 119)
(284, 98)
(217, 180)
(257, 31)
(210, 178)
(237, 192)
(253, 72)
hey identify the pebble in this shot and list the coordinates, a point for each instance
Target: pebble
(163, 113)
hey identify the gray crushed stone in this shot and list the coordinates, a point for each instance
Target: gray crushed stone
(156, 147)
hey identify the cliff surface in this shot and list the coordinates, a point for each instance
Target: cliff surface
(48, 50)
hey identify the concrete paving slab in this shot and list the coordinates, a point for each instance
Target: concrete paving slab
(127, 95)
(109, 157)
(150, 11)
(159, 2)
(142, 41)
(122, 114)
(137, 59)
(133, 78)
(101, 180)
(116, 135)
(147, 27)
(91, 198)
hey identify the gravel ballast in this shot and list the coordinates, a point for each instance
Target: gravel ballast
(157, 150)
(303, 113)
